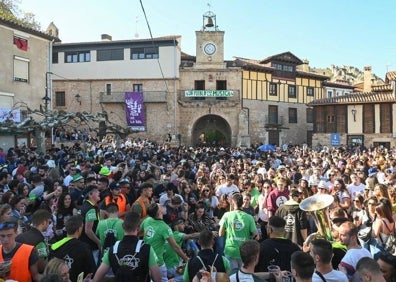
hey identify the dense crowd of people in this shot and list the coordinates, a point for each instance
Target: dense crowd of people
(94, 211)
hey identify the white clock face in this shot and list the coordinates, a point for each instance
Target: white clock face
(209, 48)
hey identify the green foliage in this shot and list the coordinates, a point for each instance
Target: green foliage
(9, 10)
(213, 135)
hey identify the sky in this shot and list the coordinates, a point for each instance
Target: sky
(325, 32)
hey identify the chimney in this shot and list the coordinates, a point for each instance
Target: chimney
(367, 79)
(106, 37)
(305, 66)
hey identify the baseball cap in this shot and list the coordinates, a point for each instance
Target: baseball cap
(114, 186)
(124, 180)
(105, 171)
(77, 177)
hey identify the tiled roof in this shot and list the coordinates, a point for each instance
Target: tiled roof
(338, 85)
(381, 88)
(284, 57)
(19, 26)
(357, 98)
(253, 64)
(312, 74)
(391, 75)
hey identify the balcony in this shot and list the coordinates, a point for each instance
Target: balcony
(273, 122)
(209, 97)
(119, 97)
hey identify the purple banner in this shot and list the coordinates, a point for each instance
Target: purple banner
(135, 110)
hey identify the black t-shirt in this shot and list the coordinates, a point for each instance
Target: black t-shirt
(137, 268)
(31, 237)
(276, 251)
(87, 206)
(208, 258)
(77, 254)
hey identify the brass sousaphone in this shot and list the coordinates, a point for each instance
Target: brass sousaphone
(317, 205)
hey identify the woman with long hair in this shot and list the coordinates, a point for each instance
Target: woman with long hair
(5, 213)
(209, 199)
(341, 191)
(364, 221)
(57, 266)
(23, 189)
(188, 195)
(381, 191)
(384, 225)
(65, 209)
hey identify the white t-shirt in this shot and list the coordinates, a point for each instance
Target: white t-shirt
(355, 189)
(332, 276)
(350, 260)
(224, 189)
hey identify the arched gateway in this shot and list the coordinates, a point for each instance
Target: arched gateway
(211, 129)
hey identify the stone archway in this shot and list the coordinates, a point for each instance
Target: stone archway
(211, 129)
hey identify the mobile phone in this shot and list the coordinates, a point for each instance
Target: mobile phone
(80, 277)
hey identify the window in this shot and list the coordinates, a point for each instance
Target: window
(151, 53)
(329, 93)
(21, 43)
(310, 91)
(221, 85)
(331, 119)
(77, 57)
(110, 55)
(138, 88)
(108, 88)
(292, 91)
(21, 69)
(272, 114)
(310, 115)
(273, 89)
(287, 68)
(199, 85)
(144, 53)
(292, 115)
(277, 66)
(60, 100)
(55, 57)
(339, 93)
(282, 67)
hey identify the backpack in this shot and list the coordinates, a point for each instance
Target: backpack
(125, 272)
(110, 238)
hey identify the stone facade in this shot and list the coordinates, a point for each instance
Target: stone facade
(25, 56)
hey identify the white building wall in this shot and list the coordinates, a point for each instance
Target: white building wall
(169, 57)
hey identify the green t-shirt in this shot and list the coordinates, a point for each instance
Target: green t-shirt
(170, 256)
(152, 258)
(91, 216)
(110, 224)
(254, 193)
(156, 233)
(42, 250)
(239, 227)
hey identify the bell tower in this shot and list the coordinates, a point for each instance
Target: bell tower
(209, 43)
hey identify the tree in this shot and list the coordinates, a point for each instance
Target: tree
(9, 10)
(40, 121)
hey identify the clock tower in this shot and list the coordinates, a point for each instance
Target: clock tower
(209, 43)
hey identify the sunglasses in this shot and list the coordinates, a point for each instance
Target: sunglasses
(206, 190)
(7, 225)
